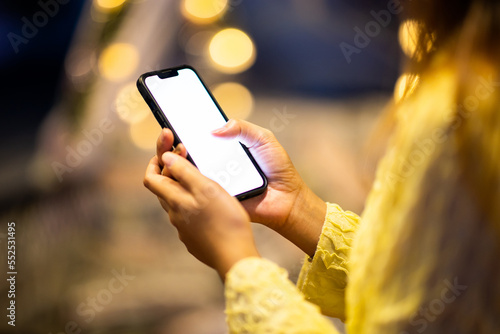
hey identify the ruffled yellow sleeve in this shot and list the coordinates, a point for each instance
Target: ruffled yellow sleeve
(261, 299)
(323, 279)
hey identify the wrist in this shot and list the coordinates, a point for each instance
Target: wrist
(305, 222)
(233, 256)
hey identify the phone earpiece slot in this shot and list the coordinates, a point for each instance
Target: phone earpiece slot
(168, 74)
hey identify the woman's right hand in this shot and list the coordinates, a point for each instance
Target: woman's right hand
(288, 205)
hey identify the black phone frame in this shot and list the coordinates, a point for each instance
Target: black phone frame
(164, 123)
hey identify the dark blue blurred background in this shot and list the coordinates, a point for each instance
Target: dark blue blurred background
(298, 53)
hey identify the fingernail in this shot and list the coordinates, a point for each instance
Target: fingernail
(169, 158)
(176, 150)
(221, 129)
(162, 134)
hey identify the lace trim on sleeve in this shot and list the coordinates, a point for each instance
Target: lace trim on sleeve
(261, 299)
(323, 278)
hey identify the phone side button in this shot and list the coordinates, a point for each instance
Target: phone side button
(158, 117)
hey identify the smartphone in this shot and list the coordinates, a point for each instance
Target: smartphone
(181, 101)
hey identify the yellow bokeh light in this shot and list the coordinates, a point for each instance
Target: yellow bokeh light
(144, 133)
(108, 5)
(235, 99)
(405, 83)
(232, 51)
(130, 106)
(408, 36)
(118, 61)
(203, 11)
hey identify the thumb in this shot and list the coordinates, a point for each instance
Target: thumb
(247, 133)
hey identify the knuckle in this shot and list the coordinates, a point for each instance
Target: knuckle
(195, 206)
(146, 181)
(235, 121)
(211, 190)
(174, 221)
(237, 124)
(181, 238)
(267, 135)
(174, 205)
(164, 205)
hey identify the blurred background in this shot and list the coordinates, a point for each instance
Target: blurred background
(95, 253)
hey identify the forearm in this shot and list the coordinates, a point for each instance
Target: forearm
(305, 222)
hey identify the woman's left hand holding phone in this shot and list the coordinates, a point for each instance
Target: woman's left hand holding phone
(212, 224)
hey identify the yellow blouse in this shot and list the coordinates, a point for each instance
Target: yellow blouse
(422, 256)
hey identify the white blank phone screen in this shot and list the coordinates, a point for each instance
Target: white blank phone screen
(193, 115)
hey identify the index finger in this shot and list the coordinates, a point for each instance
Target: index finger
(185, 172)
(164, 187)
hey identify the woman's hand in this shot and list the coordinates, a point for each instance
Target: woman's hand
(211, 223)
(288, 205)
